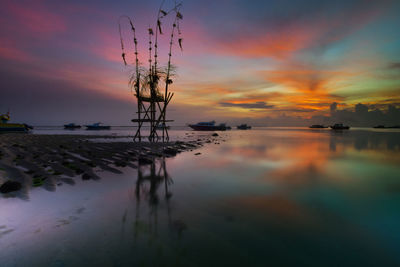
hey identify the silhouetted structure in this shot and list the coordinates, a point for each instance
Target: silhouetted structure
(151, 102)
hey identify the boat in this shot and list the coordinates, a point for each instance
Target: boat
(71, 126)
(162, 126)
(97, 126)
(317, 126)
(243, 127)
(340, 126)
(12, 127)
(208, 126)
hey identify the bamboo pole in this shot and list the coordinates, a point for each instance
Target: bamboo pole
(178, 16)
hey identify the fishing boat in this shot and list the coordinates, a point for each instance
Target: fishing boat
(97, 126)
(208, 126)
(340, 126)
(243, 127)
(12, 127)
(317, 126)
(71, 126)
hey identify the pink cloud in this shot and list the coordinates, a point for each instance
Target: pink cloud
(8, 50)
(35, 17)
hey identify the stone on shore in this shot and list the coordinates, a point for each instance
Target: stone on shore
(10, 186)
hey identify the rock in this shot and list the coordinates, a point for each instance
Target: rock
(79, 171)
(215, 134)
(170, 151)
(120, 163)
(144, 161)
(38, 181)
(190, 145)
(10, 186)
(154, 154)
(68, 181)
(91, 164)
(86, 176)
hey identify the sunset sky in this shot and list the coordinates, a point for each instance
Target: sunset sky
(60, 61)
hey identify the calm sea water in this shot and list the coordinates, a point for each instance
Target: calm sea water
(262, 197)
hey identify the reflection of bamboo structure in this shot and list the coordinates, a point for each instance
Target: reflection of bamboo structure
(154, 175)
(151, 103)
(153, 185)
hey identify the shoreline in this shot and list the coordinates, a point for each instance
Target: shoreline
(32, 160)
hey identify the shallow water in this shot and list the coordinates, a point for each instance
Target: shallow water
(267, 196)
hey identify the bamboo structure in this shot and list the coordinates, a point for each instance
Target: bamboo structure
(151, 103)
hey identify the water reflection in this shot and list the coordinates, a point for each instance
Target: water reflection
(362, 140)
(276, 197)
(150, 177)
(154, 223)
(310, 194)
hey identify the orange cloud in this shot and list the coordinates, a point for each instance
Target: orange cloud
(282, 40)
(306, 89)
(270, 44)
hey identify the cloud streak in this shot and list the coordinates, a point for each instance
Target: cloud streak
(257, 105)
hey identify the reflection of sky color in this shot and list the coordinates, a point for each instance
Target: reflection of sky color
(326, 198)
(276, 56)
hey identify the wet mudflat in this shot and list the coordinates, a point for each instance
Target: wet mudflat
(291, 197)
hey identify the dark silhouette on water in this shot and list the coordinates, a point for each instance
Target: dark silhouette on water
(97, 126)
(317, 126)
(209, 126)
(340, 126)
(243, 127)
(153, 181)
(151, 102)
(71, 126)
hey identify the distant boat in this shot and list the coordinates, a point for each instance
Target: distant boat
(71, 126)
(162, 126)
(12, 127)
(379, 127)
(340, 126)
(97, 126)
(243, 127)
(317, 126)
(208, 126)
